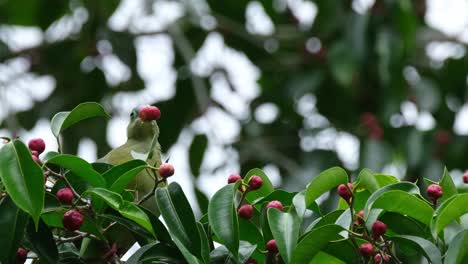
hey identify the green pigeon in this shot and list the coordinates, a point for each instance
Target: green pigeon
(140, 135)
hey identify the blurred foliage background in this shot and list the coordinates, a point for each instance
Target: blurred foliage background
(290, 86)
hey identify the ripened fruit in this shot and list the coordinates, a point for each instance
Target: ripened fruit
(378, 229)
(465, 177)
(166, 170)
(149, 113)
(271, 246)
(234, 178)
(37, 144)
(367, 249)
(65, 195)
(434, 192)
(245, 211)
(275, 204)
(255, 182)
(72, 220)
(21, 255)
(344, 191)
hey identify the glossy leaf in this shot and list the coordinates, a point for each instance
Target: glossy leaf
(401, 186)
(133, 212)
(130, 225)
(122, 182)
(80, 168)
(428, 249)
(22, 178)
(314, 241)
(112, 199)
(457, 252)
(449, 211)
(448, 186)
(160, 230)
(221, 255)
(43, 242)
(404, 203)
(222, 217)
(114, 173)
(179, 218)
(64, 120)
(12, 227)
(156, 253)
(323, 257)
(285, 230)
(324, 182)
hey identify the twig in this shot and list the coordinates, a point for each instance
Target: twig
(148, 195)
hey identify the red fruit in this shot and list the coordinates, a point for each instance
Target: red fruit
(149, 113)
(251, 261)
(434, 192)
(368, 120)
(275, 204)
(21, 255)
(255, 182)
(367, 249)
(234, 178)
(245, 211)
(376, 132)
(465, 177)
(72, 220)
(360, 217)
(378, 259)
(378, 229)
(443, 137)
(344, 192)
(271, 246)
(37, 144)
(65, 195)
(36, 159)
(166, 170)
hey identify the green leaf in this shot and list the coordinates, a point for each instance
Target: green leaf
(64, 120)
(133, 212)
(323, 257)
(156, 253)
(264, 191)
(327, 219)
(161, 232)
(249, 232)
(43, 242)
(284, 197)
(189, 257)
(115, 172)
(314, 241)
(179, 218)
(449, 211)
(367, 180)
(112, 199)
(80, 168)
(122, 182)
(457, 252)
(403, 203)
(12, 226)
(205, 247)
(300, 204)
(23, 178)
(448, 186)
(285, 230)
(130, 225)
(324, 182)
(401, 186)
(222, 217)
(196, 153)
(221, 255)
(429, 250)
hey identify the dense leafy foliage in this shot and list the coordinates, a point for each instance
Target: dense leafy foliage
(377, 218)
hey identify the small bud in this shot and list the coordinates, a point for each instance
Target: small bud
(434, 191)
(149, 113)
(378, 259)
(255, 182)
(367, 249)
(166, 170)
(344, 192)
(465, 177)
(65, 195)
(234, 178)
(245, 211)
(72, 220)
(271, 246)
(378, 229)
(21, 255)
(36, 159)
(360, 218)
(275, 204)
(37, 144)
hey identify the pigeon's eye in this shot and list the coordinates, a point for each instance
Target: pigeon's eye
(132, 114)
